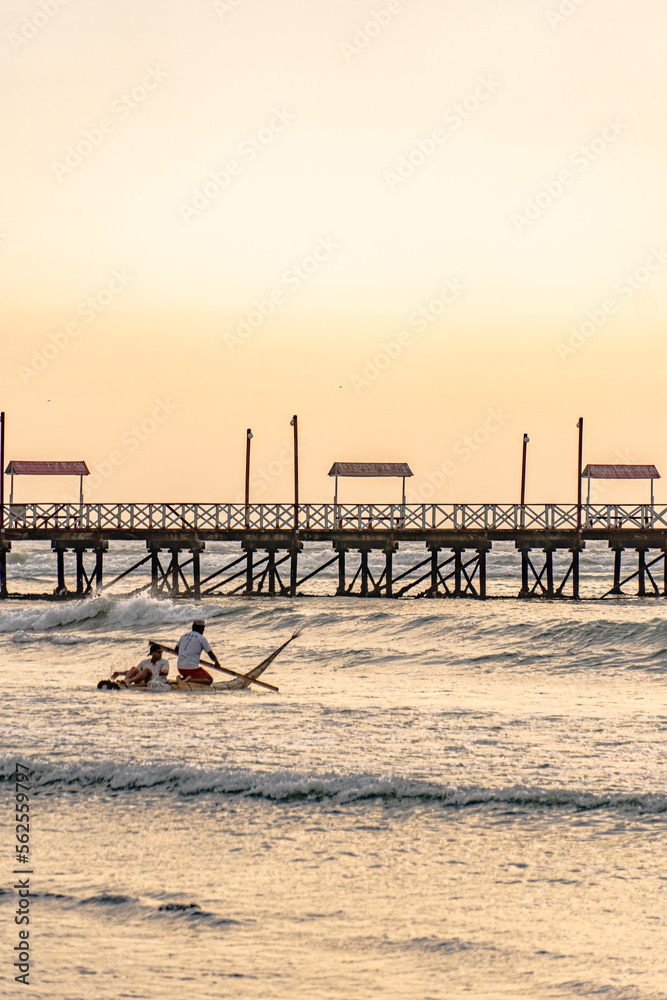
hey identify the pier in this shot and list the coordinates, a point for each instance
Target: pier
(270, 540)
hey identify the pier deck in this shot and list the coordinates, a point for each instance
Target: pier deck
(456, 540)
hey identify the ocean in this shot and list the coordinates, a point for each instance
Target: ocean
(446, 798)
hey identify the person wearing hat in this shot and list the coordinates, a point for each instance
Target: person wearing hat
(148, 670)
(190, 648)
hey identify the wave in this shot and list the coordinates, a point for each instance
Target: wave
(113, 901)
(291, 786)
(111, 613)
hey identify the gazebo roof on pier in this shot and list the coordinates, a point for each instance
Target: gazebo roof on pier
(621, 472)
(370, 469)
(47, 469)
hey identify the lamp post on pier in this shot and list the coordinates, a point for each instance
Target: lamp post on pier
(2, 471)
(526, 439)
(247, 477)
(3, 551)
(294, 424)
(580, 425)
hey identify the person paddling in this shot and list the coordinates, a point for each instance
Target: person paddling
(190, 648)
(148, 670)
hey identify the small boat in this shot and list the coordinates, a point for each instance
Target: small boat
(237, 683)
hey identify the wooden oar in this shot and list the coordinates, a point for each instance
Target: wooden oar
(225, 670)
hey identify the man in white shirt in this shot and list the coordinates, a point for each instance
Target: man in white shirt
(190, 648)
(148, 670)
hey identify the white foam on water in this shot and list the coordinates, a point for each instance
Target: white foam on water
(282, 785)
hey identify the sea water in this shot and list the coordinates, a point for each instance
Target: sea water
(445, 799)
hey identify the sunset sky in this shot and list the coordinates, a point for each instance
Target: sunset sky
(424, 226)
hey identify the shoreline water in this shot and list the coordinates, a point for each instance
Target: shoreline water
(446, 799)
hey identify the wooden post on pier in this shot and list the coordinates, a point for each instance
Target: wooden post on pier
(155, 570)
(524, 572)
(341, 571)
(388, 572)
(580, 425)
(549, 559)
(61, 588)
(99, 557)
(196, 572)
(248, 571)
(294, 423)
(433, 589)
(482, 573)
(641, 553)
(79, 572)
(522, 501)
(575, 573)
(457, 572)
(247, 477)
(174, 573)
(2, 473)
(616, 589)
(271, 567)
(3, 548)
(293, 570)
(364, 572)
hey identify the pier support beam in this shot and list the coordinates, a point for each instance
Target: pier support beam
(618, 555)
(196, 574)
(543, 584)
(87, 581)
(293, 571)
(5, 547)
(644, 572)
(172, 581)
(461, 574)
(61, 588)
(79, 573)
(155, 571)
(263, 572)
(641, 572)
(364, 573)
(341, 572)
(369, 585)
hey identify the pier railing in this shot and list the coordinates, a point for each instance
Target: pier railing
(331, 517)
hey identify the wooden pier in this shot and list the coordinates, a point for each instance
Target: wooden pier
(269, 540)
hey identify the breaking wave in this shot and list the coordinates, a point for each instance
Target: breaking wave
(291, 786)
(108, 613)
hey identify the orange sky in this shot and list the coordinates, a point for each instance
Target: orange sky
(416, 223)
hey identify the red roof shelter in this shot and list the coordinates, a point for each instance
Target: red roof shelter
(79, 469)
(370, 470)
(620, 472)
